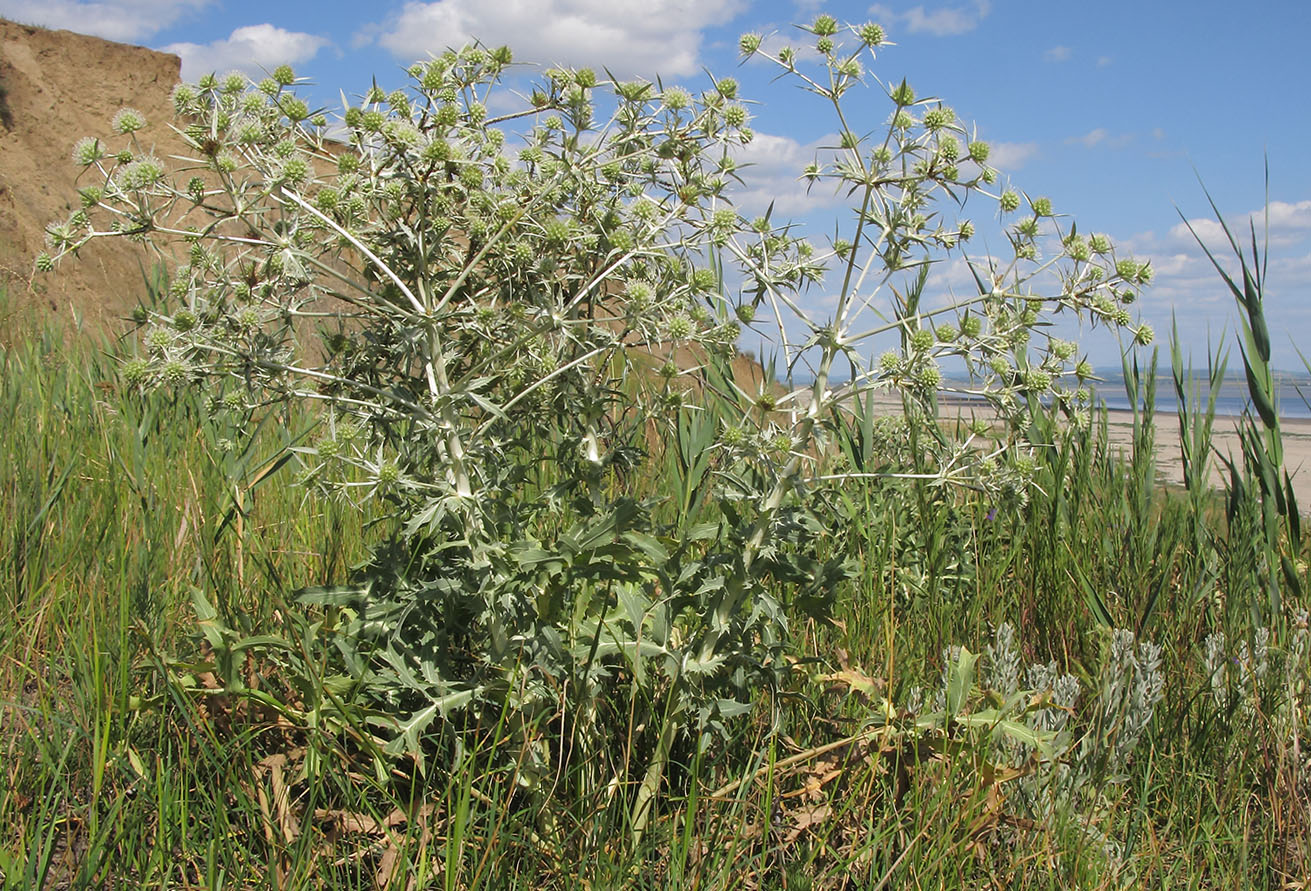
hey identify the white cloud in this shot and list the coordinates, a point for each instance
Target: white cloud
(774, 174)
(1091, 138)
(122, 20)
(1057, 54)
(943, 22)
(627, 36)
(1103, 137)
(1289, 222)
(1104, 61)
(1011, 156)
(253, 50)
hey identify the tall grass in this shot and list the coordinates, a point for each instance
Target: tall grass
(170, 716)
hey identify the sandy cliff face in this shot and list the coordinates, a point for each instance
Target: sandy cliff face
(56, 87)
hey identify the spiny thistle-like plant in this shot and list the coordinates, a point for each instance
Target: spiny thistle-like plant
(484, 286)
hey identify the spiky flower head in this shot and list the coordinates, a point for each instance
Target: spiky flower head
(1144, 335)
(128, 120)
(1009, 201)
(680, 327)
(1099, 244)
(677, 98)
(824, 26)
(284, 75)
(136, 372)
(871, 34)
(749, 44)
(1042, 207)
(937, 118)
(184, 97)
(824, 46)
(979, 151)
(87, 151)
(141, 174)
(174, 372)
(45, 262)
(388, 473)
(902, 94)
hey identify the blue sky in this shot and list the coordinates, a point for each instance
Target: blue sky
(1111, 109)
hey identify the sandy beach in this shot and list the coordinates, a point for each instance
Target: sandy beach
(1296, 436)
(1224, 439)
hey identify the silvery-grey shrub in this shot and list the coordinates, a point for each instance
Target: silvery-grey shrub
(467, 278)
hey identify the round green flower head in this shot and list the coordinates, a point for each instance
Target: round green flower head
(903, 121)
(45, 262)
(735, 116)
(824, 46)
(979, 151)
(703, 280)
(1099, 244)
(824, 26)
(128, 120)
(1083, 370)
(136, 372)
(185, 320)
(295, 109)
(680, 327)
(677, 98)
(971, 326)
(284, 75)
(949, 148)
(1144, 335)
(1042, 207)
(749, 44)
(174, 372)
(937, 118)
(1009, 201)
(727, 87)
(87, 151)
(889, 361)
(966, 230)
(184, 96)
(871, 34)
(902, 94)
(921, 340)
(388, 473)
(234, 82)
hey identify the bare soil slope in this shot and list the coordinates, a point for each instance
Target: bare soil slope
(56, 87)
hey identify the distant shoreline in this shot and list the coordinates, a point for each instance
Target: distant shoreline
(1296, 436)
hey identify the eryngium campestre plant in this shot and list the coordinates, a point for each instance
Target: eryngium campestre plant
(483, 285)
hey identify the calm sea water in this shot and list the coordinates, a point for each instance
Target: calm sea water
(1231, 401)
